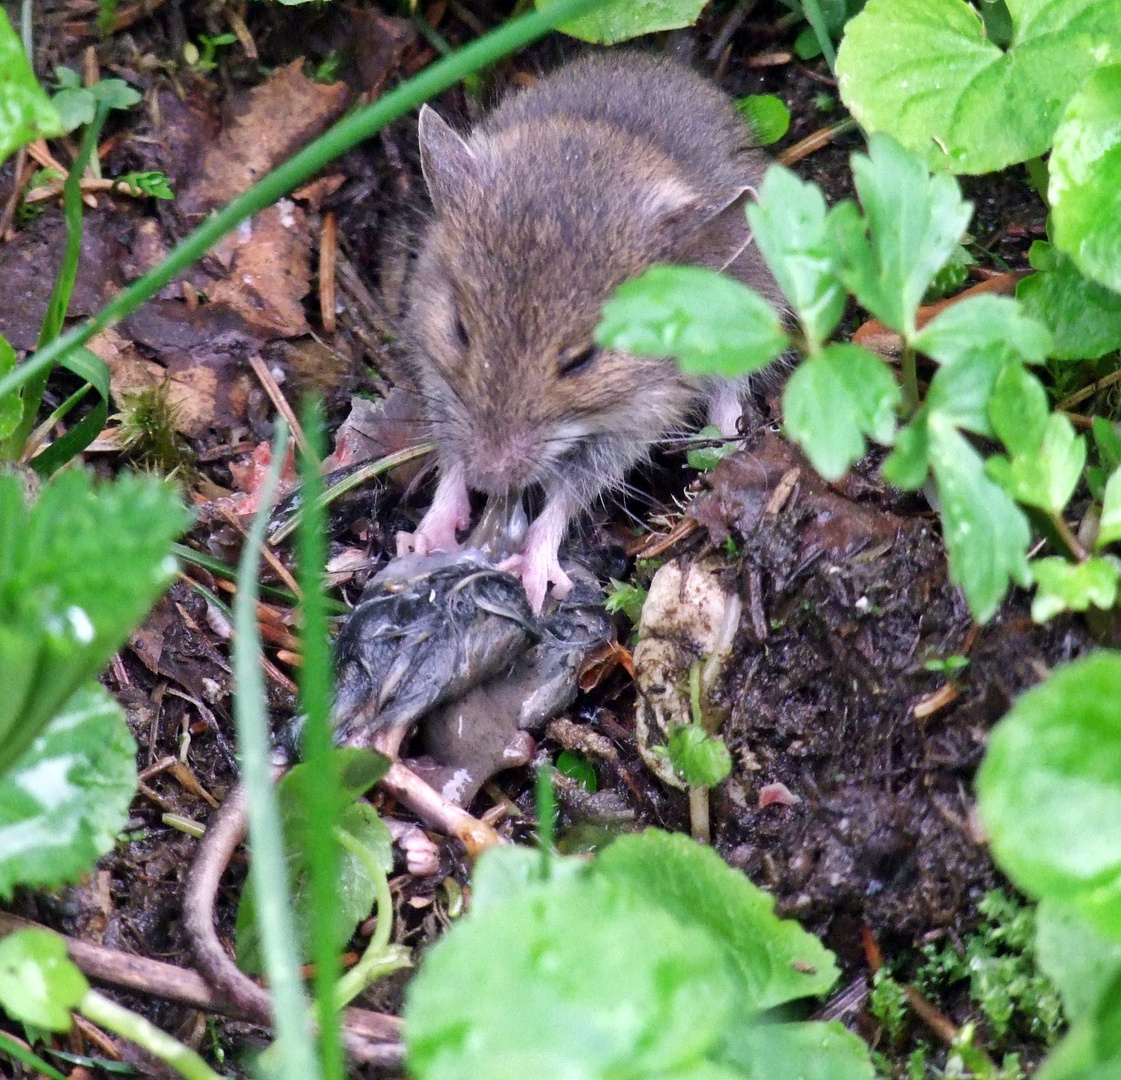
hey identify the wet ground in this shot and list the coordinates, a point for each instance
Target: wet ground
(829, 690)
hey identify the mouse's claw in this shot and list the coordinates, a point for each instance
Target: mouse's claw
(537, 568)
(450, 511)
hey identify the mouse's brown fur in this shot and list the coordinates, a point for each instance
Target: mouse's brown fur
(610, 165)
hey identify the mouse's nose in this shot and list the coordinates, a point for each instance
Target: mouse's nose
(500, 465)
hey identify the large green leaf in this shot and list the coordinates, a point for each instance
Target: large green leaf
(710, 323)
(809, 1051)
(577, 979)
(620, 20)
(926, 72)
(986, 534)
(39, 984)
(1085, 170)
(26, 113)
(776, 960)
(1050, 789)
(834, 400)
(67, 797)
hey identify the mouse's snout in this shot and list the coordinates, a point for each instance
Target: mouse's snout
(501, 462)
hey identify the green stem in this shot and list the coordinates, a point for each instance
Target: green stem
(380, 957)
(59, 302)
(1066, 534)
(812, 10)
(910, 383)
(124, 1022)
(295, 1043)
(33, 1061)
(346, 134)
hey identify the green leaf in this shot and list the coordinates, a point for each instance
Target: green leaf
(774, 959)
(789, 227)
(986, 534)
(115, 93)
(705, 458)
(960, 393)
(1075, 956)
(26, 113)
(1050, 789)
(1066, 586)
(359, 770)
(501, 872)
(768, 116)
(78, 572)
(65, 800)
(908, 465)
(626, 599)
(834, 400)
(700, 759)
(1085, 188)
(1047, 476)
(620, 20)
(1019, 410)
(978, 322)
(10, 406)
(1109, 528)
(951, 277)
(39, 984)
(577, 767)
(712, 324)
(808, 1051)
(915, 222)
(76, 106)
(925, 72)
(1083, 316)
(578, 978)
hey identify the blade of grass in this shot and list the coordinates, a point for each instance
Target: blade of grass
(346, 134)
(315, 680)
(33, 386)
(296, 1057)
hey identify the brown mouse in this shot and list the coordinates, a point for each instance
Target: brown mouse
(609, 165)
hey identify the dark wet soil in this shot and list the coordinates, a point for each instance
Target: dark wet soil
(846, 587)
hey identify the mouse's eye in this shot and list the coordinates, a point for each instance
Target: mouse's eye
(573, 361)
(461, 333)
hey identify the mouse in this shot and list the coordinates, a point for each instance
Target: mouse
(612, 163)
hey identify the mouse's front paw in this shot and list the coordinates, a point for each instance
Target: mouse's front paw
(537, 569)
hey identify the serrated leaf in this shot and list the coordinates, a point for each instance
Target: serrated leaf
(1085, 168)
(76, 106)
(1083, 316)
(77, 574)
(775, 959)
(789, 227)
(834, 400)
(915, 222)
(359, 770)
(621, 20)
(580, 978)
(115, 93)
(908, 464)
(65, 800)
(978, 322)
(1049, 789)
(925, 72)
(986, 534)
(39, 984)
(1046, 477)
(710, 323)
(1109, 528)
(700, 759)
(960, 392)
(1069, 586)
(1019, 410)
(26, 110)
(808, 1051)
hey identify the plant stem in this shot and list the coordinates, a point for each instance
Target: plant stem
(14, 1049)
(346, 134)
(1066, 534)
(136, 1029)
(295, 1044)
(910, 383)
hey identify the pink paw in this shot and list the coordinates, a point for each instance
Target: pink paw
(450, 511)
(537, 569)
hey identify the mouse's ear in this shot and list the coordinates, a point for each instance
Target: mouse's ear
(712, 233)
(445, 159)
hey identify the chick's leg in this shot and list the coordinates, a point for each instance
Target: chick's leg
(538, 565)
(450, 511)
